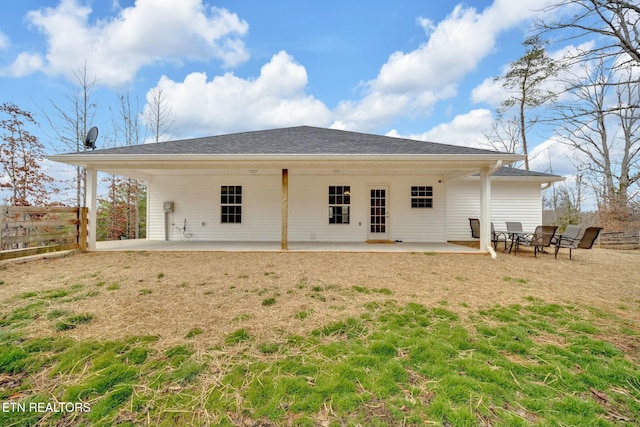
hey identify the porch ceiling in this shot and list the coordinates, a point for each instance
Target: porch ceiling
(448, 166)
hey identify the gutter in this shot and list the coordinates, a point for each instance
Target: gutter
(546, 185)
(140, 159)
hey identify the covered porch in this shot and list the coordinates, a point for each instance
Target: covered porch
(295, 188)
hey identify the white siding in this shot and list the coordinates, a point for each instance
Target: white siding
(197, 199)
(510, 201)
(417, 224)
(309, 209)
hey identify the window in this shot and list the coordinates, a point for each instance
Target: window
(339, 201)
(421, 197)
(231, 204)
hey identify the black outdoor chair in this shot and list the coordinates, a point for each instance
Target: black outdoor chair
(540, 239)
(496, 236)
(514, 231)
(584, 242)
(571, 231)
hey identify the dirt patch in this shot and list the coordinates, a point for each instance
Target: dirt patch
(276, 295)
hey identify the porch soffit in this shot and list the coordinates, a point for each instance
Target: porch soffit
(161, 167)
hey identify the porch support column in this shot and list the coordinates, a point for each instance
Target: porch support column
(485, 209)
(90, 202)
(284, 244)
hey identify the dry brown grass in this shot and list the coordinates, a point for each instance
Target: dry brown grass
(169, 294)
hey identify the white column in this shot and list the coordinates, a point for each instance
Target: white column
(485, 209)
(91, 196)
(284, 240)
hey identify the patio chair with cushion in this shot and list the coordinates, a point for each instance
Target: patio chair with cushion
(540, 239)
(583, 242)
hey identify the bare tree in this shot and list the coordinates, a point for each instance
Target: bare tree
(158, 115)
(628, 99)
(21, 156)
(601, 125)
(119, 210)
(71, 123)
(525, 80)
(617, 22)
(504, 135)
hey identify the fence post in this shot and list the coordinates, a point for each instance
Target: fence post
(82, 224)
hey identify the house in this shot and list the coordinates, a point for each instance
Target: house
(313, 184)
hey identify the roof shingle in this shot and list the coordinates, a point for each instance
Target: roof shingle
(295, 140)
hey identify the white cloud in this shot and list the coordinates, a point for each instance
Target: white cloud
(489, 92)
(465, 129)
(553, 156)
(25, 64)
(4, 41)
(416, 80)
(151, 31)
(276, 98)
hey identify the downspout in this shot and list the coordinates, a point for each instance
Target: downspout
(495, 168)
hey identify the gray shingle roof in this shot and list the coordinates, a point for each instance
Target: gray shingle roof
(295, 140)
(515, 172)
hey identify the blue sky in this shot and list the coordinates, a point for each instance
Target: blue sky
(409, 68)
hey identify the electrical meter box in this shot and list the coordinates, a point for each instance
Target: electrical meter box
(168, 206)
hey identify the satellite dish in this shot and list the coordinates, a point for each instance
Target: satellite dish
(90, 140)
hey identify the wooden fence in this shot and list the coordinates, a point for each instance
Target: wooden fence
(31, 230)
(620, 240)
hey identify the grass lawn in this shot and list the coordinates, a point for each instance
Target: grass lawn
(319, 340)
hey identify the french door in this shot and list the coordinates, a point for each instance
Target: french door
(379, 213)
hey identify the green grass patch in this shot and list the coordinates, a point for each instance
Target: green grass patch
(533, 363)
(303, 314)
(365, 290)
(178, 353)
(237, 336)
(23, 315)
(348, 328)
(72, 322)
(56, 314)
(26, 295)
(54, 294)
(242, 317)
(268, 348)
(194, 332)
(269, 301)
(515, 280)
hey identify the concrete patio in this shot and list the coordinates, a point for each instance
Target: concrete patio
(154, 245)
